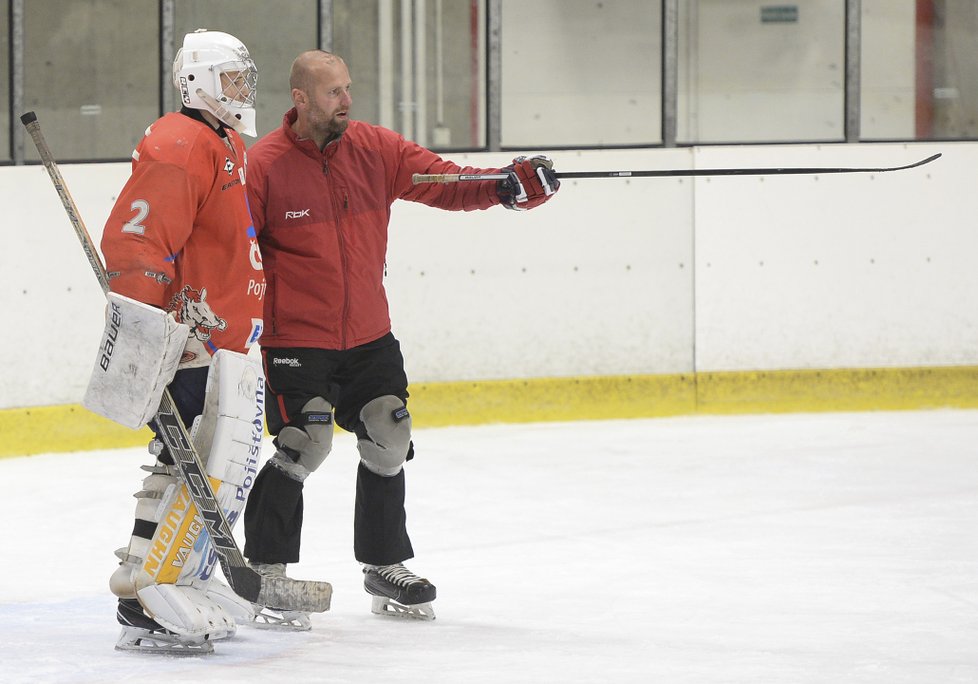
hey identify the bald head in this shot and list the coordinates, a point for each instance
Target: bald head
(308, 68)
(320, 85)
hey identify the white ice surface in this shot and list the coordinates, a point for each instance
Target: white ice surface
(784, 549)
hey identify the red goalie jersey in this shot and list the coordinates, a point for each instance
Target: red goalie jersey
(180, 236)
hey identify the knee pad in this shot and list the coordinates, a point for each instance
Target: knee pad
(305, 443)
(385, 435)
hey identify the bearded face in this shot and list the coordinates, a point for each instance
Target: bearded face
(328, 110)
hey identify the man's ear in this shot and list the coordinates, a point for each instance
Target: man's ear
(299, 97)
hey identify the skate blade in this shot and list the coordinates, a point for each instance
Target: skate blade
(382, 605)
(143, 641)
(285, 620)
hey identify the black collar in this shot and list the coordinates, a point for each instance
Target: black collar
(198, 115)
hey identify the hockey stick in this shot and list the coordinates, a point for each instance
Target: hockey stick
(774, 171)
(283, 593)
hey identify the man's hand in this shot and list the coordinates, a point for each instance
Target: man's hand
(531, 182)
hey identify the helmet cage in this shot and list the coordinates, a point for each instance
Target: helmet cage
(242, 82)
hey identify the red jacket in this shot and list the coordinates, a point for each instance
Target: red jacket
(180, 237)
(322, 219)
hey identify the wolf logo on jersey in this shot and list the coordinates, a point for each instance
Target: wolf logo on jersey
(190, 307)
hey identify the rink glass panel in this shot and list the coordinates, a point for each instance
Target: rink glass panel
(91, 73)
(581, 73)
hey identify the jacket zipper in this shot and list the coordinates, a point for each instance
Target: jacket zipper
(344, 261)
(345, 267)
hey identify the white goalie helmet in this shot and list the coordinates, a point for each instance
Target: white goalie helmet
(214, 72)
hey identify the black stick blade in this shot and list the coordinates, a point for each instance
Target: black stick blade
(920, 163)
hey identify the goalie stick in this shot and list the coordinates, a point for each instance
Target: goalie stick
(283, 593)
(419, 178)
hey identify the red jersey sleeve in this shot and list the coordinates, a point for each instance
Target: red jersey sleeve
(146, 230)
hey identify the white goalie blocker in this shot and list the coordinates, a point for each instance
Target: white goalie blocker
(172, 574)
(137, 358)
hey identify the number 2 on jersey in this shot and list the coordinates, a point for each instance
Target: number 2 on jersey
(135, 224)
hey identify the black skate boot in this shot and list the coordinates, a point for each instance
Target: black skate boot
(398, 591)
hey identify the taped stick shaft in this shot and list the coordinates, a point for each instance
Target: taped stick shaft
(667, 173)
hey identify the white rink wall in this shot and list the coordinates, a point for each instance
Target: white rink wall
(613, 277)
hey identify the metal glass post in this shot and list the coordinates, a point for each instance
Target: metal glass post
(853, 86)
(326, 25)
(494, 69)
(670, 71)
(16, 80)
(167, 53)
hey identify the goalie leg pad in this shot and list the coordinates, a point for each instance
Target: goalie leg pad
(305, 443)
(228, 434)
(385, 435)
(137, 358)
(170, 573)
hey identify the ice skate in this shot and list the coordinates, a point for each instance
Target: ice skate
(399, 592)
(143, 634)
(269, 617)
